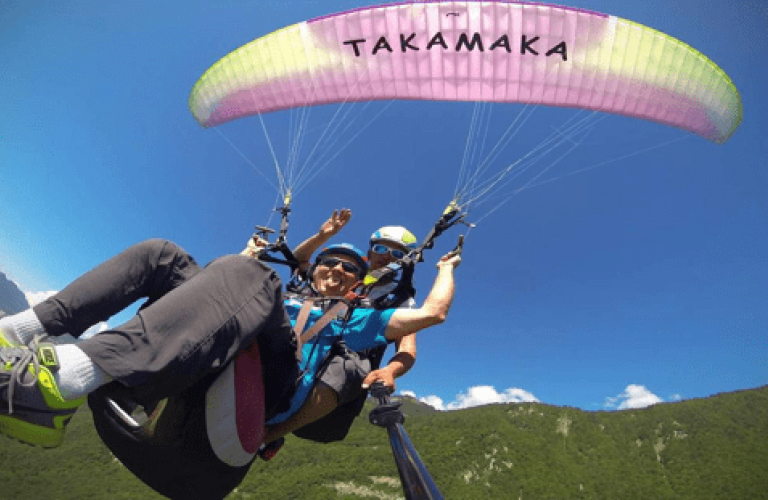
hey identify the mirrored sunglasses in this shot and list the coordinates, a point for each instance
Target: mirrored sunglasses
(383, 249)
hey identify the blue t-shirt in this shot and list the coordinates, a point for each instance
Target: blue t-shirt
(365, 329)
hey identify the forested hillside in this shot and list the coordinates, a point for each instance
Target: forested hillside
(706, 448)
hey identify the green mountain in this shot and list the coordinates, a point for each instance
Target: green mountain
(706, 448)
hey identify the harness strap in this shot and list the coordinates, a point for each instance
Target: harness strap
(303, 337)
(336, 310)
(301, 322)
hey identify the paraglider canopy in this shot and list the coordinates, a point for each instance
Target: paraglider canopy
(491, 51)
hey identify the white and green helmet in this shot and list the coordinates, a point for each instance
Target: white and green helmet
(395, 234)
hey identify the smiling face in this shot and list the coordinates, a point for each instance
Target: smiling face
(330, 277)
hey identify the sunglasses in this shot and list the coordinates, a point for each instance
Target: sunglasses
(332, 262)
(383, 249)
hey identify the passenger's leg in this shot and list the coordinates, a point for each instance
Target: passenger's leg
(41, 386)
(147, 270)
(321, 401)
(168, 346)
(199, 327)
(339, 383)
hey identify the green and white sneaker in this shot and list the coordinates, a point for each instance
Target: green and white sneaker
(31, 407)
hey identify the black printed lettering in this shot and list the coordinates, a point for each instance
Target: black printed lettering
(503, 41)
(354, 45)
(561, 49)
(381, 44)
(437, 40)
(405, 43)
(470, 45)
(525, 45)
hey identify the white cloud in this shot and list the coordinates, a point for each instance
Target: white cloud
(408, 393)
(480, 395)
(35, 298)
(634, 396)
(486, 394)
(433, 401)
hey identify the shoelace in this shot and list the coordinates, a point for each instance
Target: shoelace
(19, 358)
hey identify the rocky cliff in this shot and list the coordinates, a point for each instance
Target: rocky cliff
(12, 300)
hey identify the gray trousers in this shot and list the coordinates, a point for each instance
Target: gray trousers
(195, 321)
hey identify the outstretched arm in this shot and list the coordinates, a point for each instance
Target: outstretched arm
(398, 366)
(435, 307)
(333, 225)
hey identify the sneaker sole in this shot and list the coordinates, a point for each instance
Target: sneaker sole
(32, 434)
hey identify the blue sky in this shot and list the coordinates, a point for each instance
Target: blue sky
(642, 279)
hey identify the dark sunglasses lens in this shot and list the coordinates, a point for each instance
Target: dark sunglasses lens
(398, 254)
(332, 262)
(380, 249)
(350, 268)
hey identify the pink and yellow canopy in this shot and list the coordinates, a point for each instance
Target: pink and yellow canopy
(491, 51)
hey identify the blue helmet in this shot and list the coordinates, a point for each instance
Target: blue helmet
(346, 249)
